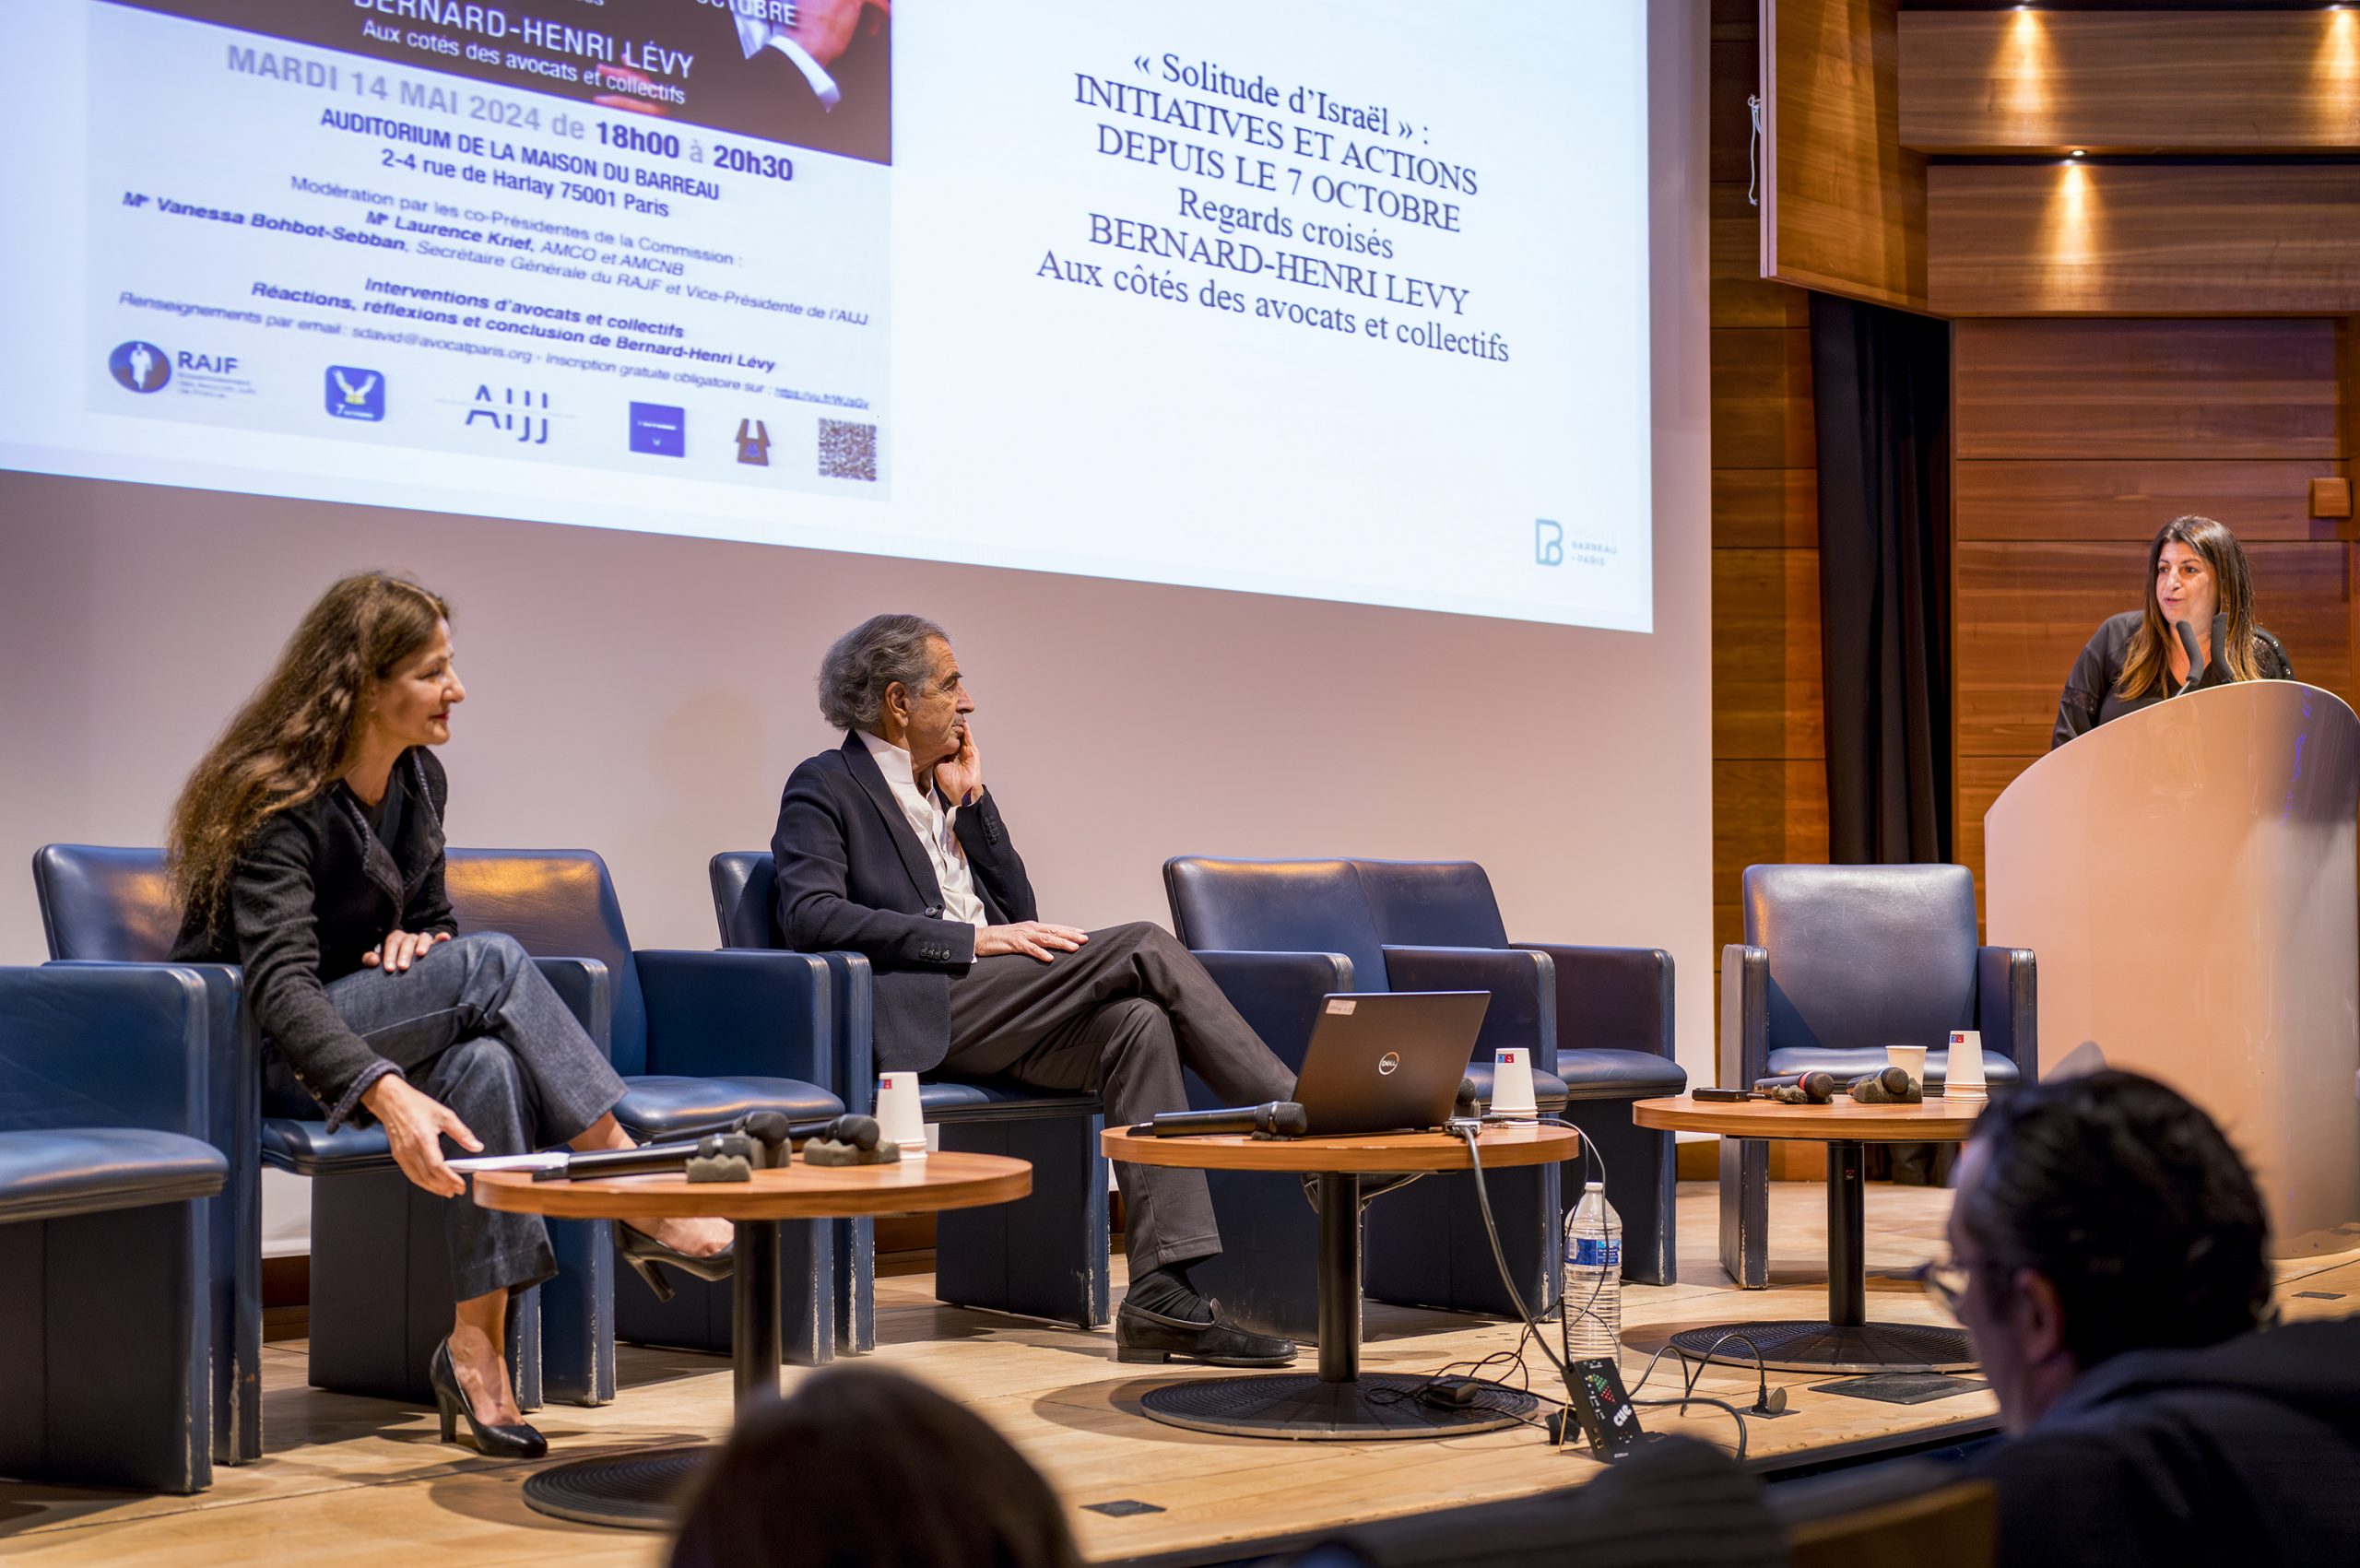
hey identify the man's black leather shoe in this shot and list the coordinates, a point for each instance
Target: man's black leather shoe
(1144, 1335)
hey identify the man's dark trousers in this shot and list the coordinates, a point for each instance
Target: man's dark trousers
(1108, 1018)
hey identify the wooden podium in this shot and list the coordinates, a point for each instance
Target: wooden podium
(2187, 876)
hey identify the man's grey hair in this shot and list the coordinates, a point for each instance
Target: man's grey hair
(870, 657)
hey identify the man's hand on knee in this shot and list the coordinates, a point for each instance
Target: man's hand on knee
(1034, 939)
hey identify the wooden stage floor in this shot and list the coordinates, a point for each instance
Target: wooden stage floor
(340, 1473)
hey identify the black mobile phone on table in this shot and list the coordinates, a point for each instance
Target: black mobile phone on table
(1720, 1095)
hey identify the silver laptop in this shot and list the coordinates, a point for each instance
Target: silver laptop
(1384, 1061)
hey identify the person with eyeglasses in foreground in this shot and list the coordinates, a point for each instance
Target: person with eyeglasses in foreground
(2109, 1256)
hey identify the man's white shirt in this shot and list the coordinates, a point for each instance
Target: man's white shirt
(932, 821)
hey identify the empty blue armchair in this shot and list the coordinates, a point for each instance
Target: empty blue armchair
(1838, 962)
(1045, 1256)
(1612, 1021)
(1279, 934)
(380, 1270)
(108, 1170)
(700, 1039)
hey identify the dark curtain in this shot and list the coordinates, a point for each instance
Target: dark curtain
(1881, 389)
(1881, 384)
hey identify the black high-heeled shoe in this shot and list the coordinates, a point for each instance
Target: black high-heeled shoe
(644, 1252)
(499, 1441)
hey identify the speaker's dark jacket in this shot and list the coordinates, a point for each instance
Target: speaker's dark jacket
(853, 876)
(311, 892)
(2242, 1452)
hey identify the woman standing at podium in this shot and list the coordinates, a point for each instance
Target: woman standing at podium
(2196, 571)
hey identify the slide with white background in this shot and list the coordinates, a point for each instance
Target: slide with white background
(1344, 301)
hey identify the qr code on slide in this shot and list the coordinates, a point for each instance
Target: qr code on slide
(847, 451)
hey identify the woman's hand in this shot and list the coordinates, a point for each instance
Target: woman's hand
(401, 948)
(414, 1123)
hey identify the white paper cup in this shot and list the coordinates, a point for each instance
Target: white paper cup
(1910, 1059)
(1962, 1078)
(1512, 1084)
(899, 1119)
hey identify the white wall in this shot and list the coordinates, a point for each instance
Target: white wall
(645, 696)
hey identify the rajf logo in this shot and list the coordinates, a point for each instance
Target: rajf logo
(1388, 1064)
(140, 366)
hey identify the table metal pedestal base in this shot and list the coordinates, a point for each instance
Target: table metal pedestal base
(632, 1491)
(1300, 1405)
(643, 1492)
(1804, 1346)
(1339, 1403)
(1844, 1340)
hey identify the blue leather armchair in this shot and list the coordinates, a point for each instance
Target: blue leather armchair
(380, 1270)
(1838, 962)
(1279, 934)
(700, 1039)
(108, 1171)
(1044, 1256)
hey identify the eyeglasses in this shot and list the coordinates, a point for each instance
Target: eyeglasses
(1944, 1278)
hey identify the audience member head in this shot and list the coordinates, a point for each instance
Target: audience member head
(2195, 569)
(2097, 1215)
(865, 1469)
(895, 677)
(296, 734)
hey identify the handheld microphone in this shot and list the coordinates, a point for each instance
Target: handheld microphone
(1279, 1119)
(655, 1158)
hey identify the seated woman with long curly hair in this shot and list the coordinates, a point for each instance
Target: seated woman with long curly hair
(308, 847)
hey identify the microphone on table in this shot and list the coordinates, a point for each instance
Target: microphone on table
(861, 1132)
(650, 1159)
(1279, 1119)
(760, 1137)
(2219, 666)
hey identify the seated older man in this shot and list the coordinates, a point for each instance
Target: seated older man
(891, 847)
(2109, 1258)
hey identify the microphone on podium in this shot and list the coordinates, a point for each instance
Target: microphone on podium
(2200, 674)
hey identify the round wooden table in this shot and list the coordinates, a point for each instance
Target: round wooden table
(1845, 1341)
(641, 1490)
(1339, 1402)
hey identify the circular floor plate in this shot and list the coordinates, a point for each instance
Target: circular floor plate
(1298, 1405)
(633, 1492)
(1796, 1346)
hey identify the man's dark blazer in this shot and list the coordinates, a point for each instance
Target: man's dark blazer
(853, 876)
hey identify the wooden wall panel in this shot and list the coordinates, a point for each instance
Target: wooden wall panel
(2159, 240)
(1769, 772)
(2145, 389)
(1764, 813)
(1739, 295)
(1768, 702)
(1844, 207)
(1762, 409)
(1765, 508)
(2031, 80)
(2119, 499)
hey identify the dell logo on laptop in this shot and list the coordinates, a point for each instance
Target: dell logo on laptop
(1387, 1064)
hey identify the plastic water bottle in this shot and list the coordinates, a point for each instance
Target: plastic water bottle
(1594, 1276)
